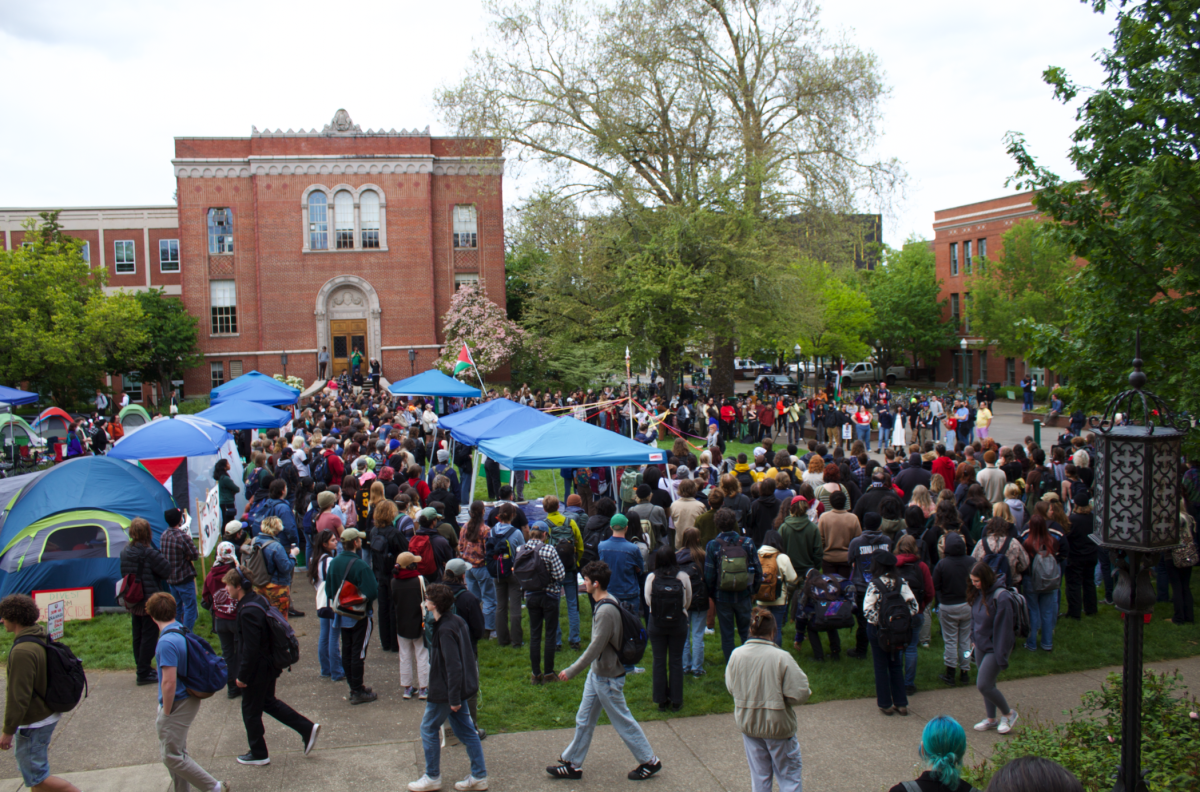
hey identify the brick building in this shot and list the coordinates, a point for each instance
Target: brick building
(963, 235)
(287, 242)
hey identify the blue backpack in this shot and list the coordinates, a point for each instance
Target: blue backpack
(255, 515)
(206, 671)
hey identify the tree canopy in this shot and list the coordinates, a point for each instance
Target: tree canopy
(171, 338)
(904, 294)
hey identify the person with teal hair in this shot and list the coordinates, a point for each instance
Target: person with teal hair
(943, 744)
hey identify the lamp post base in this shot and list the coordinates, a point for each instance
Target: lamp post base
(1134, 597)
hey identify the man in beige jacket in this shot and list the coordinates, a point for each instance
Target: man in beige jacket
(766, 684)
(685, 510)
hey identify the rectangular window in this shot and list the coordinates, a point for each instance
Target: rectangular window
(967, 257)
(132, 384)
(343, 220)
(967, 312)
(86, 252)
(217, 371)
(463, 280)
(981, 248)
(953, 258)
(465, 226)
(123, 257)
(954, 314)
(983, 372)
(220, 231)
(235, 369)
(224, 306)
(168, 255)
(368, 219)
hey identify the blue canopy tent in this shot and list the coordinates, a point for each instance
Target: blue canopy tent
(434, 383)
(454, 420)
(239, 414)
(257, 387)
(65, 527)
(568, 443)
(175, 437)
(499, 424)
(14, 396)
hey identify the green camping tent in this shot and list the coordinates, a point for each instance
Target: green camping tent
(13, 429)
(134, 415)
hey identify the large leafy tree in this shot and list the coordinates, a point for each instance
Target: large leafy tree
(59, 331)
(172, 338)
(908, 313)
(838, 325)
(1135, 214)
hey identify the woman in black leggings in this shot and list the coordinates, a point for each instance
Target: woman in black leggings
(992, 614)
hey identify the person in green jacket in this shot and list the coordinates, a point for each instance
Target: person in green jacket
(801, 543)
(27, 719)
(349, 567)
(227, 490)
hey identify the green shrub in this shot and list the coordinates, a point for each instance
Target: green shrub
(1089, 744)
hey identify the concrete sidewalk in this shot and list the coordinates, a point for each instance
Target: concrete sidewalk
(108, 743)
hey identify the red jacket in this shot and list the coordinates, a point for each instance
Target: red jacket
(944, 466)
(337, 469)
(422, 490)
(904, 559)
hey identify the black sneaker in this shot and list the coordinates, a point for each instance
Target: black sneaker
(147, 681)
(644, 771)
(295, 614)
(856, 655)
(565, 770)
(482, 735)
(363, 697)
(575, 646)
(234, 692)
(250, 759)
(964, 678)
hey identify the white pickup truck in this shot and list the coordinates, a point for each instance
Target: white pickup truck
(858, 373)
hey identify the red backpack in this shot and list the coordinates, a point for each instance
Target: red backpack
(420, 545)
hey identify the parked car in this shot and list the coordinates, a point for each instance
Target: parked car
(780, 382)
(869, 372)
(745, 368)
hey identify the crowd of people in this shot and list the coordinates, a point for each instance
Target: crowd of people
(821, 535)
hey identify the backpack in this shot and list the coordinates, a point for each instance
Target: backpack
(66, 683)
(422, 545)
(255, 515)
(911, 574)
(499, 554)
(591, 545)
(530, 570)
(1044, 574)
(319, 469)
(998, 561)
(583, 480)
(1021, 621)
(562, 538)
(285, 649)
(206, 671)
(130, 592)
(832, 600)
(745, 480)
(733, 574)
(633, 634)
(629, 484)
(255, 566)
(772, 583)
(695, 574)
(349, 601)
(382, 559)
(666, 602)
(895, 621)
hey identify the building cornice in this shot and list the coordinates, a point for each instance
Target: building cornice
(335, 165)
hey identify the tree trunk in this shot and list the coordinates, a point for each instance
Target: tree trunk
(722, 368)
(668, 366)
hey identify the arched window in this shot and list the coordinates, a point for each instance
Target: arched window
(368, 207)
(318, 221)
(343, 219)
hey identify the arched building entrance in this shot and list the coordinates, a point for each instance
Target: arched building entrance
(347, 315)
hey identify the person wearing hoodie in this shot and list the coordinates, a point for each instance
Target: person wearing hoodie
(950, 581)
(911, 476)
(1081, 558)
(762, 512)
(877, 492)
(801, 541)
(771, 553)
(684, 511)
(861, 553)
(1012, 499)
(215, 598)
(892, 523)
(915, 572)
(992, 615)
(890, 695)
(406, 590)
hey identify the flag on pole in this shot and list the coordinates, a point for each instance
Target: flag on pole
(464, 361)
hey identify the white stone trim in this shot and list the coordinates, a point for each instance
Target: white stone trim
(93, 218)
(336, 165)
(373, 310)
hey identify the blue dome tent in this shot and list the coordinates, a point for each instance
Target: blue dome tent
(65, 527)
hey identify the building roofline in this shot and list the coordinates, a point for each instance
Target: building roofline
(987, 200)
(172, 207)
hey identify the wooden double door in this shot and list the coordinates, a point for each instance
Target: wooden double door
(345, 336)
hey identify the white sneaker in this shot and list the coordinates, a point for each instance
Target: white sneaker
(312, 739)
(426, 784)
(1006, 722)
(470, 784)
(987, 725)
(709, 631)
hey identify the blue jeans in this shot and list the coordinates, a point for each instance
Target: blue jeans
(605, 694)
(483, 586)
(780, 614)
(910, 652)
(889, 674)
(463, 728)
(570, 587)
(731, 615)
(328, 650)
(693, 647)
(1104, 573)
(30, 746)
(885, 439)
(863, 432)
(1028, 402)
(185, 603)
(936, 429)
(1043, 615)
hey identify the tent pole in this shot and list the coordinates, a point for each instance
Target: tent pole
(474, 473)
(203, 572)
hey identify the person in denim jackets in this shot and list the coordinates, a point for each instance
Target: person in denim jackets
(733, 607)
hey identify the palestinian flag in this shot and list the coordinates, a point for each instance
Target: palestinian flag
(171, 472)
(464, 361)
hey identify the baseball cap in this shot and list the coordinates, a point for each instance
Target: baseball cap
(457, 566)
(618, 521)
(350, 534)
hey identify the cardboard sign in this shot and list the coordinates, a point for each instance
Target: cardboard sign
(76, 603)
(210, 523)
(54, 619)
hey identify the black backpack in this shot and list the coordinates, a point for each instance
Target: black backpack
(911, 574)
(591, 545)
(530, 570)
(997, 561)
(695, 573)
(319, 469)
(895, 621)
(285, 649)
(666, 601)
(66, 683)
(382, 559)
(745, 480)
(633, 634)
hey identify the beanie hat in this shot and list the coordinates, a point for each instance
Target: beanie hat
(173, 517)
(574, 500)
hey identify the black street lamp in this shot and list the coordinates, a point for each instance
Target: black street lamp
(1137, 519)
(412, 362)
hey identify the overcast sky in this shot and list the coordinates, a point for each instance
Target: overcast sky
(99, 88)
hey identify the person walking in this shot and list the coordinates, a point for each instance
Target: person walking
(943, 745)
(407, 595)
(604, 689)
(888, 599)
(950, 581)
(349, 568)
(992, 614)
(328, 653)
(453, 679)
(224, 611)
(28, 722)
(626, 569)
(767, 685)
(141, 559)
(668, 594)
(181, 553)
(258, 673)
(176, 707)
(538, 570)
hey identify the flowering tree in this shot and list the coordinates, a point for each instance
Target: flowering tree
(483, 326)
